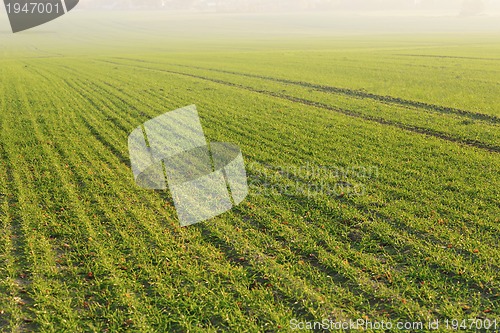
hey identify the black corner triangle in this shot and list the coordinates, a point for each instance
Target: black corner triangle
(70, 4)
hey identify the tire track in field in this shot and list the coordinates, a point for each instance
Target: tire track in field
(385, 218)
(449, 272)
(444, 57)
(436, 242)
(353, 93)
(347, 112)
(282, 294)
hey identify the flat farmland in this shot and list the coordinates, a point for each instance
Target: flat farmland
(373, 166)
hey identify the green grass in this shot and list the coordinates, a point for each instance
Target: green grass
(82, 248)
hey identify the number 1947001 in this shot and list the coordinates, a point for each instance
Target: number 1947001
(33, 8)
(472, 324)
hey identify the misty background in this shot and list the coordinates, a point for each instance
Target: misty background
(459, 7)
(115, 26)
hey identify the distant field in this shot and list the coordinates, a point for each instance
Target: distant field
(373, 164)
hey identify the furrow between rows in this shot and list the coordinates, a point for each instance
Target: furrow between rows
(347, 112)
(356, 93)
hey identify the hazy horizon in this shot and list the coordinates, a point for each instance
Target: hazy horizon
(472, 7)
(86, 30)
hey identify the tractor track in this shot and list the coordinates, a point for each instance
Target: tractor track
(347, 112)
(357, 94)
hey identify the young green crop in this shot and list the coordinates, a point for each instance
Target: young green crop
(82, 248)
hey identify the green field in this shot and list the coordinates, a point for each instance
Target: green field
(373, 164)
